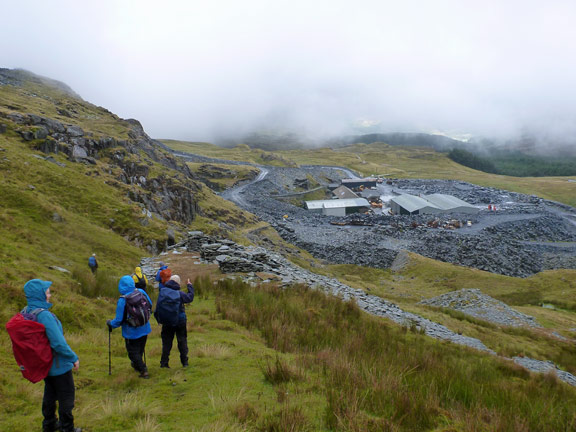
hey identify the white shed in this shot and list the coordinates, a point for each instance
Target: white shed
(338, 207)
(430, 204)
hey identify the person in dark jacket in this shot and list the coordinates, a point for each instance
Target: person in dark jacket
(168, 331)
(158, 278)
(135, 337)
(59, 384)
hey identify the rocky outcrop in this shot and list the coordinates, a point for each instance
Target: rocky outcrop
(170, 197)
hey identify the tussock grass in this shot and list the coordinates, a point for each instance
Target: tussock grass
(378, 377)
(279, 371)
(133, 405)
(147, 424)
(220, 426)
(103, 284)
(286, 419)
(217, 351)
(218, 398)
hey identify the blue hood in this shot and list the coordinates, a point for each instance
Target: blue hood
(126, 285)
(35, 291)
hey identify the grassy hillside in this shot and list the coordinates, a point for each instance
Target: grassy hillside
(401, 162)
(424, 278)
(262, 358)
(256, 364)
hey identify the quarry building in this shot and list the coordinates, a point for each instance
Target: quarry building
(343, 192)
(338, 207)
(407, 204)
(367, 182)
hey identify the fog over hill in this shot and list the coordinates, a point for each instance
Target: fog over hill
(206, 72)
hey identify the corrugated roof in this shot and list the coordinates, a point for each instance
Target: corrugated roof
(436, 201)
(367, 179)
(412, 202)
(350, 202)
(315, 204)
(343, 192)
(369, 193)
(447, 202)
(337, 203)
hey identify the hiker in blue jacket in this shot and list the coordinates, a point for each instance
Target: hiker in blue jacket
(93, 263)
(59, 384)
(135, 337)
(180, 330)
(158, 278)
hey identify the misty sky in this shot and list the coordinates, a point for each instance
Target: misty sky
(198, 69)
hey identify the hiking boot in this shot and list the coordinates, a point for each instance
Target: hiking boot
(185, 364)
(164, 366)
(144, 375)
(52, 426)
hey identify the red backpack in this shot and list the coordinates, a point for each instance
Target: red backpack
(30, 344)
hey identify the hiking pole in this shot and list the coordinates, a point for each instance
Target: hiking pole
(109, 354)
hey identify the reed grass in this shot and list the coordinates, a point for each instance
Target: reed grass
(378, 377)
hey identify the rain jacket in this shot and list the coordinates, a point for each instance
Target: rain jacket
(64, 357)
(158, 278)
(138, 274)
(184, 298)
(125, 287)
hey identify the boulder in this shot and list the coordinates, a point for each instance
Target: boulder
(27, 135)
(41, 133)
(79, 152)
(74, 131)
(18, 118)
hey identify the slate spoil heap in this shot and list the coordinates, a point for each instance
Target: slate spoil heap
(524, 236)
(473, 302)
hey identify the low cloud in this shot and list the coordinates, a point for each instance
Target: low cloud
(198, 70)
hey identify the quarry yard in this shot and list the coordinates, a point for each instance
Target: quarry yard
(524, 235)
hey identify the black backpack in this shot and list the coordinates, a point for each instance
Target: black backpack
(141, 282)
(137, 310)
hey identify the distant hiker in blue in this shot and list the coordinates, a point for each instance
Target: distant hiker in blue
(93, 263)
(158, 277)
(135, 326)
(59, 384)
(171, 314)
